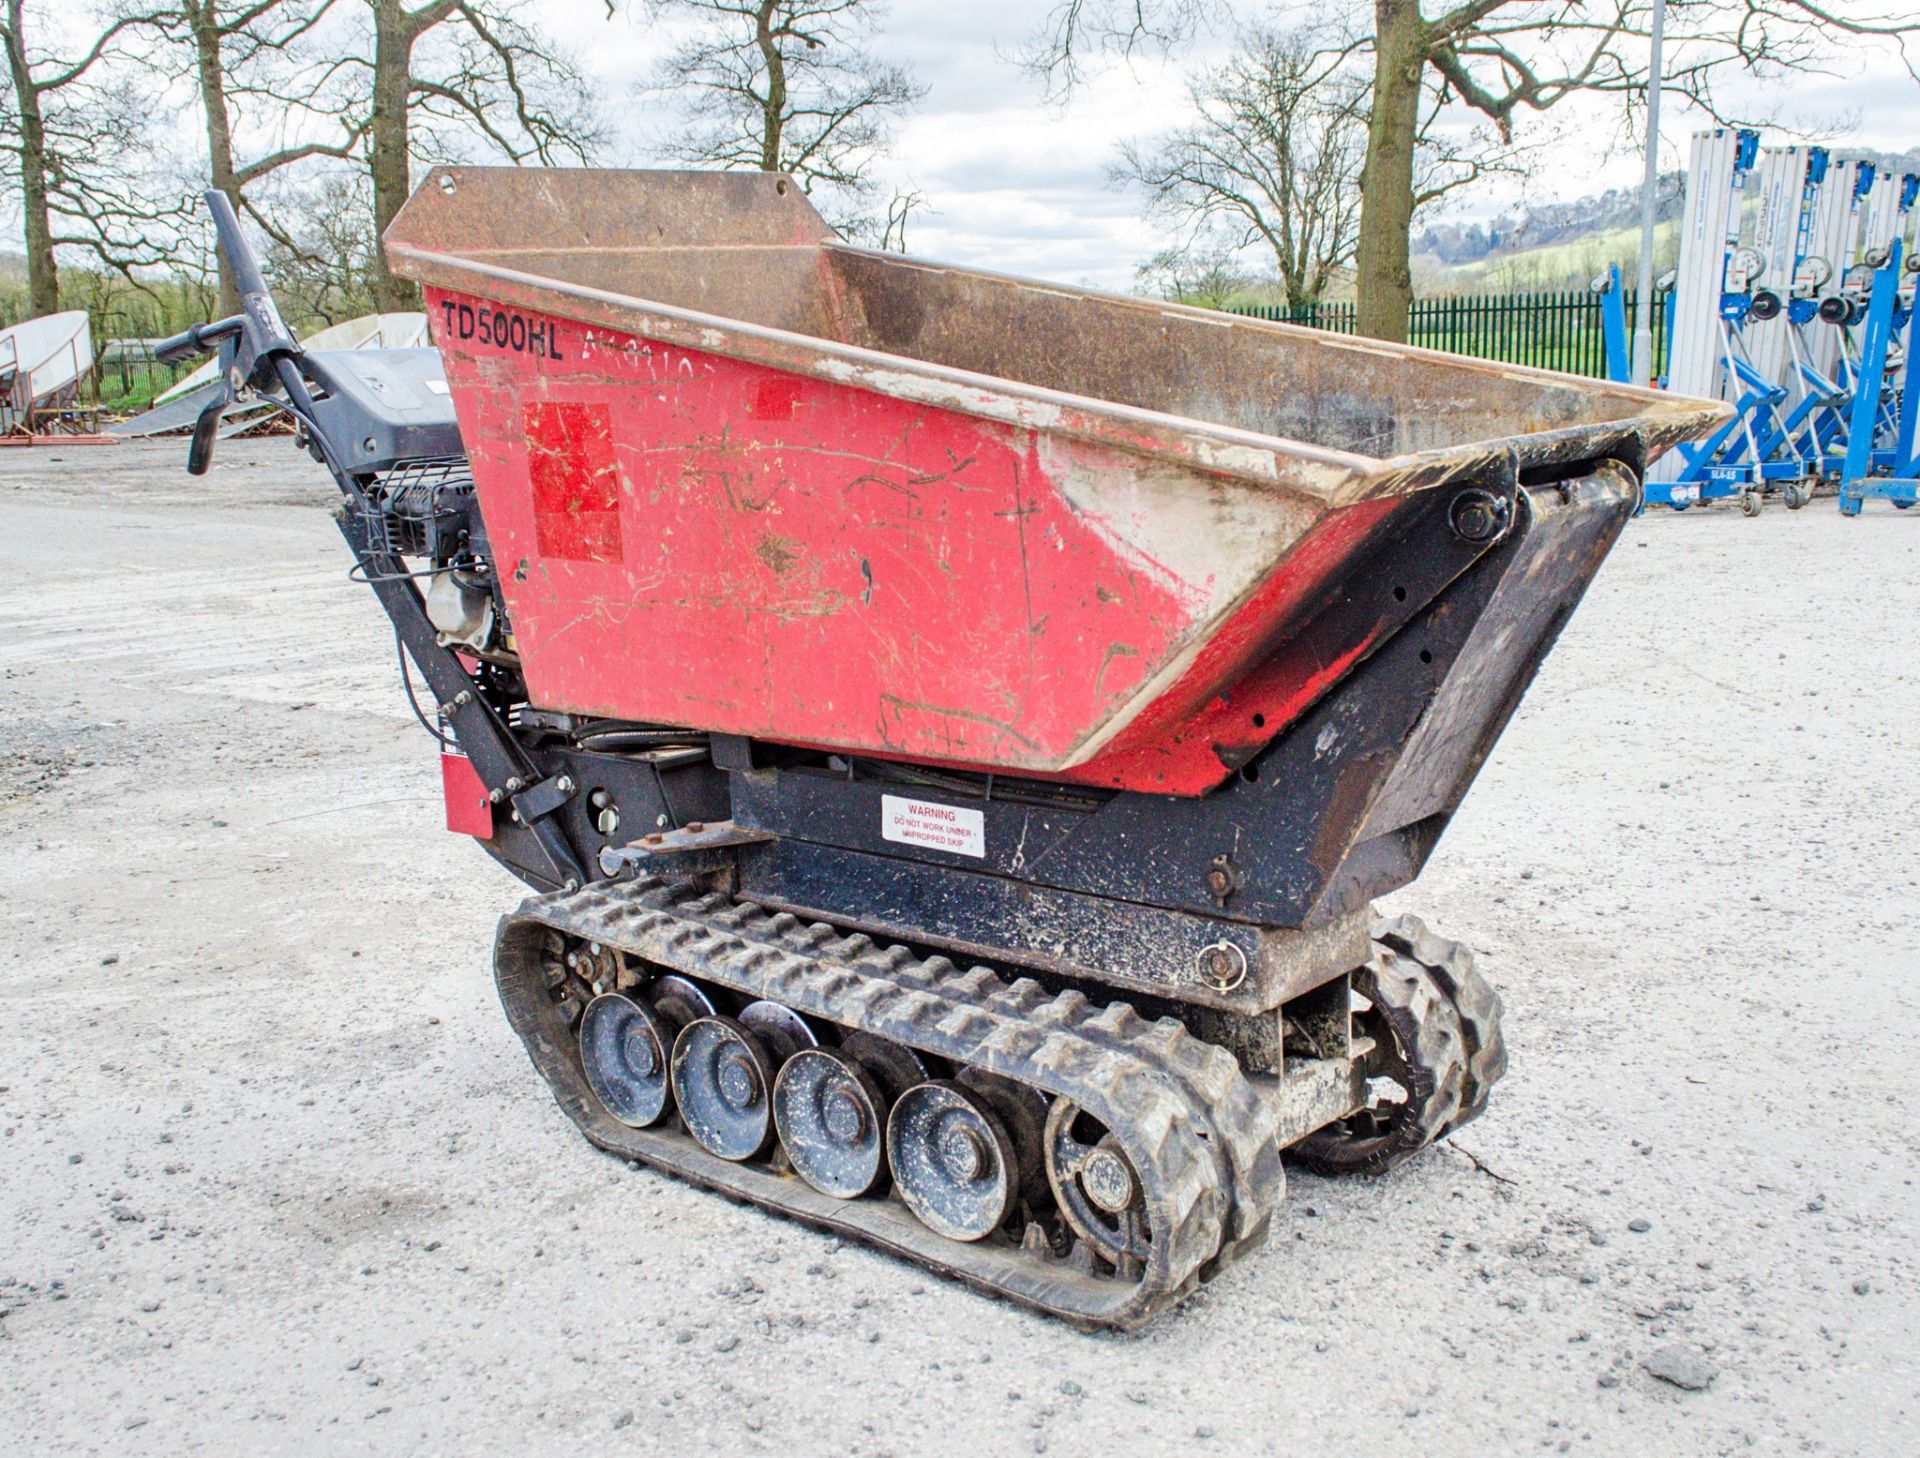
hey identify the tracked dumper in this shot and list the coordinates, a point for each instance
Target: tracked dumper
(954, 726)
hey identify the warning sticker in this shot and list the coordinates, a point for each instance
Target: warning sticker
(939, 827)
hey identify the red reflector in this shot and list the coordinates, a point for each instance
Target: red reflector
(468, 812)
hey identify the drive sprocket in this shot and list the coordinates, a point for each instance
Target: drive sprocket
(1433, 1023)
(1451, 965)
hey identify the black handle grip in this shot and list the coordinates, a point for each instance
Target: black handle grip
(178, 348)
(196, 340)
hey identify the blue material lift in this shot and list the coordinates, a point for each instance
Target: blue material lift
(1881, 461)
(1751, 450)
(1754, 449)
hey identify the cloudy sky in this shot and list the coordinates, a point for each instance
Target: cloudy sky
(1017, 185)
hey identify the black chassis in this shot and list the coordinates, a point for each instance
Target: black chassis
(1239, 900)
(1132, 890)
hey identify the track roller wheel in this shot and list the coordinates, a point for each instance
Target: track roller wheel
(894, 1066)
(782, 1029)
(832, 1119)
(953, 1161)
(680, 999)
(723, 1083)
(1415, 1072)
(1095, 1185)
(625, 1047)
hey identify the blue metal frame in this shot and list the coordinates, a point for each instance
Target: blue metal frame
(1757, 447)
(1613, 328)
(1859, 478)
(1738, 457)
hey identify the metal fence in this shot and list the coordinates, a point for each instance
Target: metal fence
(1556, 331)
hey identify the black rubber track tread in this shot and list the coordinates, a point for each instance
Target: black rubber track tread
(1428, 1032)
(1451, 965)
(1200, 1136)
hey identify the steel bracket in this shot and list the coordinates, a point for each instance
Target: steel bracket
(536, 802)
(695, 842)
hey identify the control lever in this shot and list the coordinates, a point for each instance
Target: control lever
(206, 430)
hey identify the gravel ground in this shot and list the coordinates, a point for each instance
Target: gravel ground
(274, 1176)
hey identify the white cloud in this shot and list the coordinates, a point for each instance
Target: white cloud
(1015, 185)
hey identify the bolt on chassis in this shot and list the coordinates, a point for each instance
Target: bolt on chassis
(953, 725)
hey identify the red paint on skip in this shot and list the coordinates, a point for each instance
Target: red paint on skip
(576, 488)
(1244, 687)
(774, 398)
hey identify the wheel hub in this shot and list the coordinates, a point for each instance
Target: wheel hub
(843, 1117)
(737, 1083)
(1107, 1180)
(963, 1153)
(642, 1053)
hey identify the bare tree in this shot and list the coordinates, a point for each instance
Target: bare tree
(1272, 157)
(75, 134)
(787, 86)
(1275, 158)
(441, 72)
(244, 67)
(889, 229)
(1076, 36)
(1500, 58)
(322, 259)
(1198, 274)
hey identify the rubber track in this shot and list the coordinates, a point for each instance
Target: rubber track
(1450, 964)
(1198, 1133)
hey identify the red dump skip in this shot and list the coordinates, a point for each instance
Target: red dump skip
(822, 564)
(576, 490)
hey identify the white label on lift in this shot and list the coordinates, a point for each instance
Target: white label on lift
(948, 828)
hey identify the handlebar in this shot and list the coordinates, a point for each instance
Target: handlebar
(262, 333)
(196, 340)
(263, 353)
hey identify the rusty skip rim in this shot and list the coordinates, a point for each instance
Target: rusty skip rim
(1334, 477)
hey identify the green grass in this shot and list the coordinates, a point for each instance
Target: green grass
(1553, 266)
(131, 392)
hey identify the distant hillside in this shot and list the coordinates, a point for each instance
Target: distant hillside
(1564, 245)
(1569, 264)
(13, 267)
(1545, 224)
